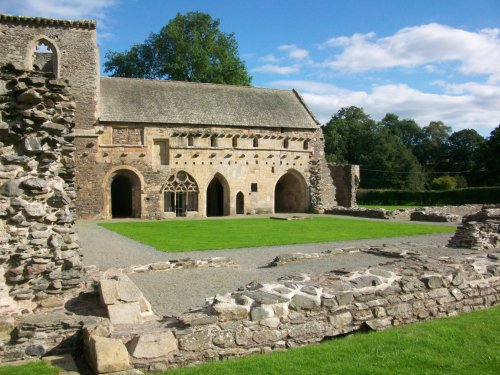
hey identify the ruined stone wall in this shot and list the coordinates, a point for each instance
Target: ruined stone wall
(40, 257)
(295, 310)
(346, 181)
(77, 60)
(479, 231)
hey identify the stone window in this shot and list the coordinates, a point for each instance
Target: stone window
(45, 57)
(285, 143)
(213, 141)
(190, 141)
(256, 142)
(162, 152)
(127, 136)
(253, 187)
(180, 194)
(235, 141)
(306, 145)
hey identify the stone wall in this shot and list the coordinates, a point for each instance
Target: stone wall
(40, 256)
(479, 231)
(296, 310)
(346, 181)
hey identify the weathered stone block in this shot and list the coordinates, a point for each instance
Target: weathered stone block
(196, 342)
(340, 320)
(107, 355)
(153, 345)
(125, 313)
(261, 312)
(304, 302)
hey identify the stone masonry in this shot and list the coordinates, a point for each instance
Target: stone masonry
(296, 310)
(479, 231)
(40, 256)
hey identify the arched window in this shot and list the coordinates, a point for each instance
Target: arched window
(190, 141)
(285, 143)
(180, 194)
(306, 145)
(256, 142)
(45, 57)
(235, 141)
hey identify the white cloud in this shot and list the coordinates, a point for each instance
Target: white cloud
(269, 58)
(294, 52)
(469, 105)
(476, 52)
(277, 69)
(66, 9)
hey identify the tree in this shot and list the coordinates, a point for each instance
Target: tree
(407, 130)
(190, 47)
(444, 183)
(432, 152)
(464, 154)
(492, 158)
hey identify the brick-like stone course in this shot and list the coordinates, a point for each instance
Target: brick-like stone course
(479, 231)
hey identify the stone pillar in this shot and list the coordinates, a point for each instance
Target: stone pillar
(39, 248)
(322, 187)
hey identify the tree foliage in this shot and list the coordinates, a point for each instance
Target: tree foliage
(397, 153)
(190, 47)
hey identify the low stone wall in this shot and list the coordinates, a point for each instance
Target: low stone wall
(39, 252)
(479, 231)
(451, 214)
(296, 310)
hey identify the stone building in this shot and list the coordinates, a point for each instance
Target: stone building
(159, 149)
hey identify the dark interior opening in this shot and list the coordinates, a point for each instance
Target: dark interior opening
(121, 197)
(215, 198)
(240, 203)
(289, 194)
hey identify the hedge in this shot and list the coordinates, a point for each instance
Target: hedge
(475, 195)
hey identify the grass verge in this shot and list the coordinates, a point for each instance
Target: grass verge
(467, 344)
(38, 368)
(192, 235)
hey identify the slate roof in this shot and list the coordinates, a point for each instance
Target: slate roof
(174, 102)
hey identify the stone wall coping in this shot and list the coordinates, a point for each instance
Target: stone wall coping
(82, 24)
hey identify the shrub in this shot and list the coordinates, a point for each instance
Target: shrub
(444, 183)
(481, 195)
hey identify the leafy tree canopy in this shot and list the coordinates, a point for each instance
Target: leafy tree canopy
(190, 47)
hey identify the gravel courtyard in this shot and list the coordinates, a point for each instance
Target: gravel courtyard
(174, 292)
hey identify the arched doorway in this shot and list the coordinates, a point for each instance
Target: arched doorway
(125, 195)
(217, 193)
(290, 193)
(240, 203)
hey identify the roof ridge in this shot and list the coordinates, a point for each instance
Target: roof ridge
(83, 23)
(168, 81)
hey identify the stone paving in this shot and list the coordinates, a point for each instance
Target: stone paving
(172, 293)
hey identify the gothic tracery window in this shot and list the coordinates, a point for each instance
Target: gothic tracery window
(180, 194)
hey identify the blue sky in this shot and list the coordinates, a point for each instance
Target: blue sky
(421, 59)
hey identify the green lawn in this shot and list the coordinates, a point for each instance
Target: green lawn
(467, 344)
(191, 235)
(38, 368)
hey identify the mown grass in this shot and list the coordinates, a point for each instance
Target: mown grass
(191, 235)
(38, 368)
(467, 344)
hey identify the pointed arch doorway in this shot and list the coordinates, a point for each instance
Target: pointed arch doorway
(240, 203)
(217, 197)
(125, 191)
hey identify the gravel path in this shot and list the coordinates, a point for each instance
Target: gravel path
(172, 293)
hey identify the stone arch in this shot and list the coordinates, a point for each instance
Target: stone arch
(218, 196)
(290, 193)
(180, 194)
(131, 182)
(240, 203)
(48, 60)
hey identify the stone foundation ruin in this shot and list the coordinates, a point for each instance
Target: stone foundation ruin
(479, 231)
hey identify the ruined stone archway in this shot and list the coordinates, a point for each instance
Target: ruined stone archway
(240, 203)
(290, 193)
(218, 196)
(124, 194)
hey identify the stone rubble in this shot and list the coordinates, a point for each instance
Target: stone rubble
(479, 231)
